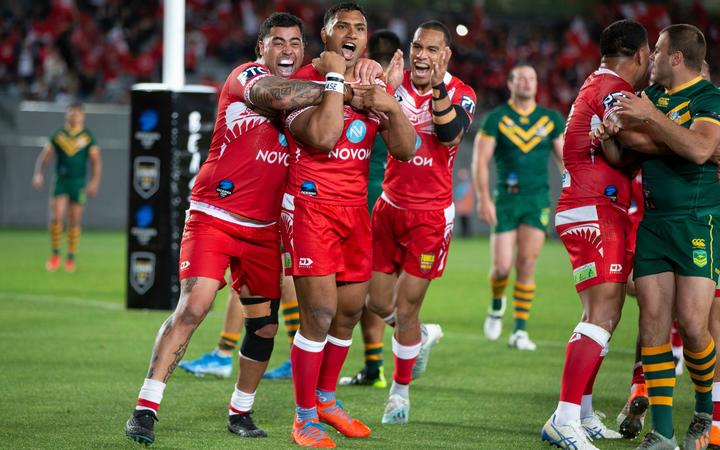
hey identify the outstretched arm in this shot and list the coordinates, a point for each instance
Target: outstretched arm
(280, 94)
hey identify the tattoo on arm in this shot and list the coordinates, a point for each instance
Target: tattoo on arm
(275, 93)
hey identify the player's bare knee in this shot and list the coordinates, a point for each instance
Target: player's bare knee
(500, 271)
(191, 313)
(318, 317)
(268, 331)
(525, 267)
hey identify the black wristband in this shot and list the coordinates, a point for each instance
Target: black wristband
(443, 112)
(443, 91)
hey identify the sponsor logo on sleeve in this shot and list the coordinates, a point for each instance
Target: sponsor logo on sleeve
(250, 73)
(468, 104)
(612, 99)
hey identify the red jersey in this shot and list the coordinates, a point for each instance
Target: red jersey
(425, 182)
(588, 178)
(246, 169)
(341, 176)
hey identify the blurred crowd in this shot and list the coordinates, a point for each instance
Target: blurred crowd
(95, 49)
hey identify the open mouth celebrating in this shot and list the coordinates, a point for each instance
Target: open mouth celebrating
(285, 67)
(422, 69)
(348, 50)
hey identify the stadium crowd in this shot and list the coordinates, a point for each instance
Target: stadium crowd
(95, 49)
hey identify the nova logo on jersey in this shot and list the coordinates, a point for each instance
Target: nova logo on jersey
(250, 73)
(468, 104)
(350, 153)
(356, 131)
(272, 157)
(421, 161)
(225, 188)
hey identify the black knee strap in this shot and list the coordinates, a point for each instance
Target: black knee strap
(256, 347)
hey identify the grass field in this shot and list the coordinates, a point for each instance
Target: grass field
(73, 360)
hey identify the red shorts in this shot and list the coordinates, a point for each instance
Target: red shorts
(324, 239)
(209, 246)
(597, 238)
(414, 241)
(635, 220)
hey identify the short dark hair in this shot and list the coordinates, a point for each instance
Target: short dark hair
(278, 19)
(437, 26)
(345, 6)
(75, 105)
(688, 40)
(382, 46)
(517, 66)
(622, 38)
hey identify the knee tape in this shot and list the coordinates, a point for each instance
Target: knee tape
(256, 347)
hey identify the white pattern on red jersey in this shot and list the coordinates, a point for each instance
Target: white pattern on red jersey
(425, 182)
(246, 169)
(341, 176)
(589, 179)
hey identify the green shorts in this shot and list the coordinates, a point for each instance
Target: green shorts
(687, 246)
(74, 189)
(513, 210)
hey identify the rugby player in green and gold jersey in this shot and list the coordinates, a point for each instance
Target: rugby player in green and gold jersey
(520, 135)
(677, 120)
(72, 146)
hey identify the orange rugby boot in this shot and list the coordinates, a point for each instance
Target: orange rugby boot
(632, 417)
(310, 433)
(70, 265)
(333, 414)
(53, 263)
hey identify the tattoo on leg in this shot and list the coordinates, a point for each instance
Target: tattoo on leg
(189, 284)
(164, 331)
(179, 353)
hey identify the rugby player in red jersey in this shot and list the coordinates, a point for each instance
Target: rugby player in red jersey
(232, 221)
(412, 221)
(593, 224)
(325, 222)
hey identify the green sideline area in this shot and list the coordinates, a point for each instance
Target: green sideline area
(73, 359)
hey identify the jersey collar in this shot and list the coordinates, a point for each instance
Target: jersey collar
(522, 112)
(685, 85)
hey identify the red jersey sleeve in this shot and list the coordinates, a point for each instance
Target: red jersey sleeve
(244, 77)
(465, 98)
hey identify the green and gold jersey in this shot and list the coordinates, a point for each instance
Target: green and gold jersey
(674, 186)
(71, 153)
(523, 142)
